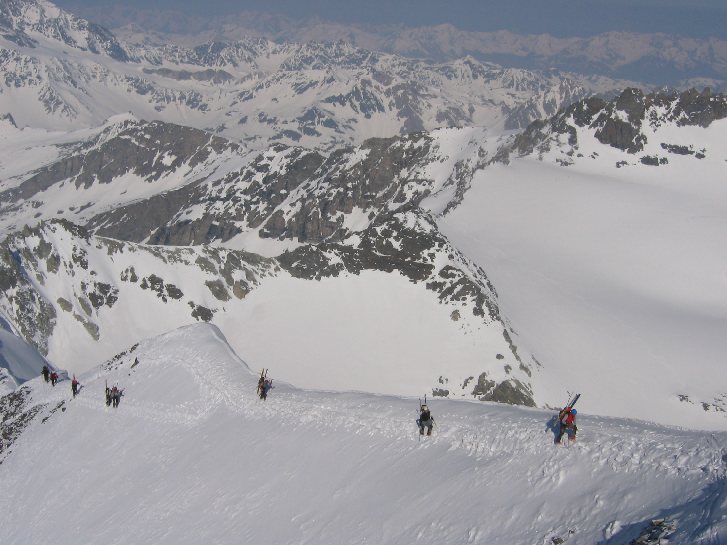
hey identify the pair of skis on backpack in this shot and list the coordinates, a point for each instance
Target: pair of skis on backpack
(425, 420)
(264, 385)
(567, 421)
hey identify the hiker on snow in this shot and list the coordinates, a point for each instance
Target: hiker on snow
(74, 386)
(108, 396)
(46, 373)
(567, 419)
(53, 378)
(266, 387)
(425, 420)
(116, 396)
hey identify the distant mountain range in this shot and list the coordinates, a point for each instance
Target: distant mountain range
(654, 59)
(60, 72)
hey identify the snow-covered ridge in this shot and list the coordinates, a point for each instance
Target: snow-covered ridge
(26, 22)
(192, 447)
(123, 161)
(75, 296)
(163, 183)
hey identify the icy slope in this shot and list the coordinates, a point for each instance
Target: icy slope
(191, 456)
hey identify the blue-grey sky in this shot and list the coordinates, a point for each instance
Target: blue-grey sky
(697, 18)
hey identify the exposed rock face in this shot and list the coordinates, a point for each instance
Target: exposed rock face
(149, 153)
(621, 122)
(32, 314)
(16, 413)
(91, 290)
(282, 193)
(407, 242)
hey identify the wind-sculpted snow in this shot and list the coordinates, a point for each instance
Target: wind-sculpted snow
(192, 455)
(19, 362)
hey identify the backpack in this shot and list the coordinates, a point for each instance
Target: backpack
(569, 419)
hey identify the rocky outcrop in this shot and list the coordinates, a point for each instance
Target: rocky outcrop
(147, 150)
(30, 258)
(16, 413)
(620, 123)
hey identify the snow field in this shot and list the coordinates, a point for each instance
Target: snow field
(613, 278)
(192, 456)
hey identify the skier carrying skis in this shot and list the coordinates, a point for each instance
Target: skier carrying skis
(266, 387)
(116, 394)
(74, 386)
(425, 420)
(46, 373)
(567, 419)
(108, 396)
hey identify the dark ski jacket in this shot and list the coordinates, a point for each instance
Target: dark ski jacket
(425, 416)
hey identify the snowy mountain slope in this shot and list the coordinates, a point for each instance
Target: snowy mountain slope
(402, 311)
(91, 171)
(192, 456)
(163, 183)
(633, 122)
(27, 22)
(313, 94)
(369, 209)
(604, 236)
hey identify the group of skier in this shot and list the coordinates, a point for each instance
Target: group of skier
(49, 376)
(52, 377)
(113, 396)
(566, 423)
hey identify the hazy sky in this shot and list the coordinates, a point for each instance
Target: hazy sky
(697, 18)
